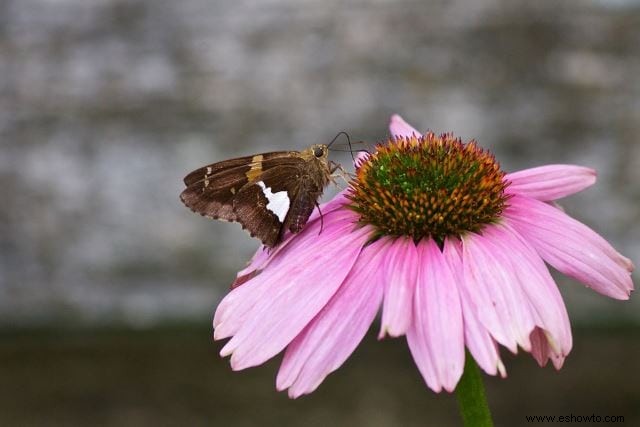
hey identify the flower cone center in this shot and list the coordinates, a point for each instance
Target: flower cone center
(425, 186)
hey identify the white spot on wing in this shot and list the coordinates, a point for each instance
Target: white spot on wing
(278, 202)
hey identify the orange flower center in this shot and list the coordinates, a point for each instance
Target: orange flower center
(429, 186)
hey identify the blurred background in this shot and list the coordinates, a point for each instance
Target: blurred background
(108, 283)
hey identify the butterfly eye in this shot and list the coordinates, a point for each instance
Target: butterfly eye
(318, 151)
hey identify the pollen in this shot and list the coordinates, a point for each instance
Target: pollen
(428, 186)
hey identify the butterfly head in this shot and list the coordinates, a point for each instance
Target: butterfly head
(320, 151)
(317, 152)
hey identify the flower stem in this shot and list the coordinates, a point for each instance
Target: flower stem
(471, 398)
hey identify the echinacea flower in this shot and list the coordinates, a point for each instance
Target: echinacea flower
(452, 248)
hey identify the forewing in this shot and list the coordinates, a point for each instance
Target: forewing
(212, 195)
(212, 170)
(211, 189)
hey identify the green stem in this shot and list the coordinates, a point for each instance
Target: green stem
(471, 398)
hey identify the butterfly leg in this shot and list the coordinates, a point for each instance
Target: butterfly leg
(341, 173)
(321, 217)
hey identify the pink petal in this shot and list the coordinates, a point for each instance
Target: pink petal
(236, 307)
(537, 284)
(571, 247)
(550, 182)
(361, 157)
(398, 127)
(481, 345)
(337, 202)
(436, 336)
(254, 266)
(326, 342)
(231, 312)
(491, 282)
(294, 289)
(542, 351)
(400, 270)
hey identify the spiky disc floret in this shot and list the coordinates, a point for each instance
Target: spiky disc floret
(428, 186)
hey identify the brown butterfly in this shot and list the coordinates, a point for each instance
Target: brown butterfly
(267, 193)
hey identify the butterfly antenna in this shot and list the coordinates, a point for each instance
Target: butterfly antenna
(348, 141)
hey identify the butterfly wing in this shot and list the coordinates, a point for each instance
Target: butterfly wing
(256, 191)
(276, 200)
(211, 188)
(305, 197)
(302, 186)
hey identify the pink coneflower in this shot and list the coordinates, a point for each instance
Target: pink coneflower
(452, 249)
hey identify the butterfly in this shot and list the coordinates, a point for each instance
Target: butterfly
(268, 194)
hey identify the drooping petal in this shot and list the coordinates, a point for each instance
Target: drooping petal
(295, 287)
(400, 270)
(360, 158)
(231, 311)
(537, 284)
(326, 342)
(236, 307)
(542, 350)
(491, 282)
(571, 247)
(398, 127)
(550, 182)
(254, 266)
(481, 345)
(436, 336)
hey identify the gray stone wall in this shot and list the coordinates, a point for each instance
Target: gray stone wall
(105, 105)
